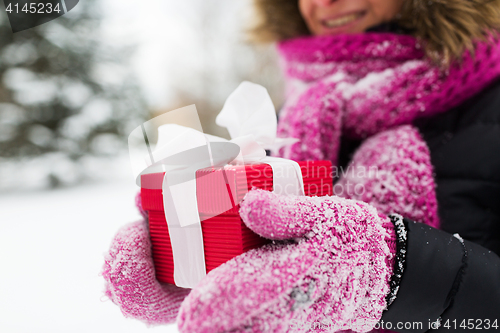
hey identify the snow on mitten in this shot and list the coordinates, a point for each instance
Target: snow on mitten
(328, 270)
(130, 278)
(392, 171)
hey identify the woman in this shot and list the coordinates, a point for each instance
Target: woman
(411, 88)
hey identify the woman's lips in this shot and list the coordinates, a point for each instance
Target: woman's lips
(343, 20)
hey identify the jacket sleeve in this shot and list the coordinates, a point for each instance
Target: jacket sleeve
(442, 283)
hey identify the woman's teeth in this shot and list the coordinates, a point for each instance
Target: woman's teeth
(341, 21)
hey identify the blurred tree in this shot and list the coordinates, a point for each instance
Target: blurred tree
(216, 58)
(64, 96)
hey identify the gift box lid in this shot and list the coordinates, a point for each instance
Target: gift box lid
(219, 190)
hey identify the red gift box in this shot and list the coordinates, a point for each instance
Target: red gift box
(225, 236)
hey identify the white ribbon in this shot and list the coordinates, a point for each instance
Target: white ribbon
(250, 118)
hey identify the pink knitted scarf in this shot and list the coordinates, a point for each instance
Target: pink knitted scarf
(359, 85)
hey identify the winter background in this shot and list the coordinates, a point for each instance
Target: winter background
(71, 91)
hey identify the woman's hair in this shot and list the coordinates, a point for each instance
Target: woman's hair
(447, 27)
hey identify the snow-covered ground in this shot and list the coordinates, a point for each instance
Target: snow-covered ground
(52, 245)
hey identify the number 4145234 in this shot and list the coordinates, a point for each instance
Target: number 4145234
(38, 8)
(472, 324)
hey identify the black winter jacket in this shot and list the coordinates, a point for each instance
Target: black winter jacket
(444, 279)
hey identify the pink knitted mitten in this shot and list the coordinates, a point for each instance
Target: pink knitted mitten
(130, 278)
(328, 271)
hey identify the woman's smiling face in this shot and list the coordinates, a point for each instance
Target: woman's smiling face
(329, 17)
